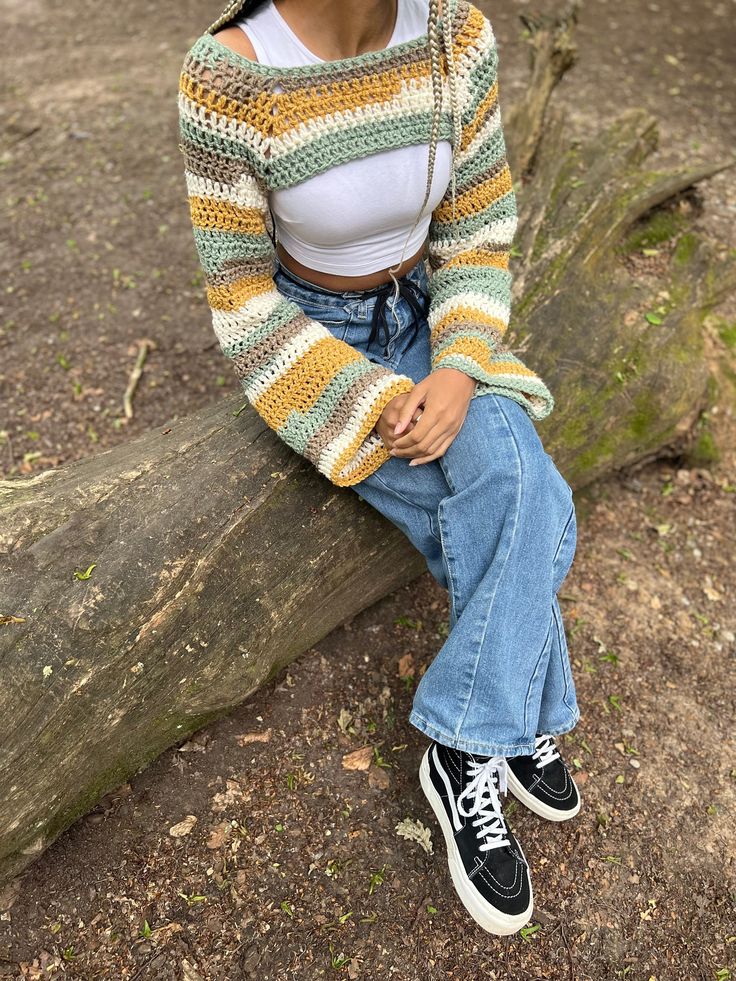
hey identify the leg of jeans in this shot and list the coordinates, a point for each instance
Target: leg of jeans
(559, 708)
(501, 530)
(409, 497)
(489, 517)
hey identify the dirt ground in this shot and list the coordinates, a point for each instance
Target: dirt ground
(284, 863)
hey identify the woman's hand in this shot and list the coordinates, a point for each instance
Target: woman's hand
(444, 396)
(390, 417)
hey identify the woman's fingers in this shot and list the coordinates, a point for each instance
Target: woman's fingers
(435, 455)
(422, 437)
(428, 420)
(414, 399)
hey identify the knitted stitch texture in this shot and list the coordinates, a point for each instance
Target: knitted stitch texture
(240, 138)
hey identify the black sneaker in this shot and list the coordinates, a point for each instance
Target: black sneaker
(488, 868)
(542, 781)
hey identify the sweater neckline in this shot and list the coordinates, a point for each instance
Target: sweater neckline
(365, 59)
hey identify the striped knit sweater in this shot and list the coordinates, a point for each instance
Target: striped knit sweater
(318, 393)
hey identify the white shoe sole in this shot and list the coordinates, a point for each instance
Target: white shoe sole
(538, 806)
(484, 914)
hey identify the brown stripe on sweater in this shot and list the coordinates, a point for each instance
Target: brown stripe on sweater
(463, 186)
(229, 78)
(491, 333)
(274, 342)
(208, 163)
(235, 269)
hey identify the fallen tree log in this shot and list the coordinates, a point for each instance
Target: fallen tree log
(151, 588)
(614, 282)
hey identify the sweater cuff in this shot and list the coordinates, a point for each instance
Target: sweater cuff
(499, 372)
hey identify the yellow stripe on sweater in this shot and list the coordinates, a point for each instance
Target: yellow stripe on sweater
(468, 315)
(310, 103)
(224, 216)
(234, 296)
(479, 351)
(306, 379)
(477, 198)
(256, 112)
(499, 259)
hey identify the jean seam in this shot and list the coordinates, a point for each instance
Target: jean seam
(547, 639)
(448, 476)
(560, 542)
(562, 640)
(447, 561)
(519, 485)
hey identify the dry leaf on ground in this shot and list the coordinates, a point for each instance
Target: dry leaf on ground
(359, 759)
(219, 835)
(379, 778)
(415, 831)
(183, 827)
(254, 737)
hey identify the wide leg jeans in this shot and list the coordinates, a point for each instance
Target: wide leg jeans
(495, 521)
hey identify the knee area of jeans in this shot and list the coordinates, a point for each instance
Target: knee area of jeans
(538, 473)
(558, 479)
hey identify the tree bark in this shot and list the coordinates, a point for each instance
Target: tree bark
(151, 588)
(219, 556)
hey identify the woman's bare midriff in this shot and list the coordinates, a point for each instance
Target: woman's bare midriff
(340, 283)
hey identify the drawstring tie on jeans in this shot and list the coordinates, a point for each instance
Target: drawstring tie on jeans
(410, 291)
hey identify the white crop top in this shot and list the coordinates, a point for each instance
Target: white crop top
(354, 218)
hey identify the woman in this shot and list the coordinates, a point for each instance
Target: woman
(308, 127)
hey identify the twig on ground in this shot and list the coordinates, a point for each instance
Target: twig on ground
(144, 346)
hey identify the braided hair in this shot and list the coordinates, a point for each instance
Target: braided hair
(242, 8)
(433, 42)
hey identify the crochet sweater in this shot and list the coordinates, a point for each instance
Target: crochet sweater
(240, 138)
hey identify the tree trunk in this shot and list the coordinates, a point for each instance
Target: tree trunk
(151, 588)
(217, 555)
(612, 282)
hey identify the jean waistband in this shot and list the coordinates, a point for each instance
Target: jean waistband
(411, 289)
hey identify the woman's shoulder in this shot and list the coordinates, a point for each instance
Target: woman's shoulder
(238, 41)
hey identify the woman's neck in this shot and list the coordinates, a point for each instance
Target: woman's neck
(335, 29)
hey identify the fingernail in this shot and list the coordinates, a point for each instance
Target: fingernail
(412, 463)
(392, 452)
(397, 427)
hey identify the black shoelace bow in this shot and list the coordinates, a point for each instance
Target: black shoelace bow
(410, 291)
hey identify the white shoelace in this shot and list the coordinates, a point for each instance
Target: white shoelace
(485, 803)
(545, 751)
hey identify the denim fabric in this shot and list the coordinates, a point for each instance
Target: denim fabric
(495, 521)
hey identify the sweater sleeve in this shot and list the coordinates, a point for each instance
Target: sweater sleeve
(319, 394)
(470, 284)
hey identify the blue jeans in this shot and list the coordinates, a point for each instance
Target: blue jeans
(495, 521)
